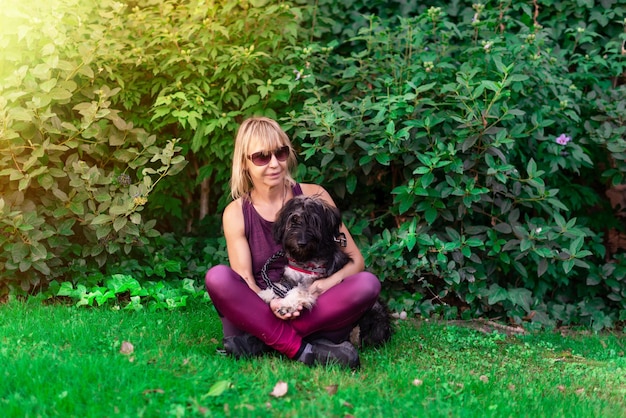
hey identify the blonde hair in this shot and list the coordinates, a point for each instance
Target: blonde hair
(269, 134)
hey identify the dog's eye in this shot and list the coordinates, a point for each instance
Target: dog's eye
(294, 220)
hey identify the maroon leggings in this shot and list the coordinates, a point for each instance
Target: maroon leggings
(333, 316)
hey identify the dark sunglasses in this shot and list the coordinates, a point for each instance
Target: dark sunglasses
(263, 157)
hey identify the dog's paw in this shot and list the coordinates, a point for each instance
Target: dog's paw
(284, 310)
(297, 299)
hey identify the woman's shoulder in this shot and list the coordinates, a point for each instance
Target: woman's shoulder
(316, 190)
(234, 209)
(309, 189)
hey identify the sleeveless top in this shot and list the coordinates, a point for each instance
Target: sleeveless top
(261, 241)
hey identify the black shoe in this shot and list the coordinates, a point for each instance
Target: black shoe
(245, 345)
(326, 352)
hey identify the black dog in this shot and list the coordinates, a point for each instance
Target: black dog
(308, 229)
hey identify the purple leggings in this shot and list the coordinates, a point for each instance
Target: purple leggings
(333, 316)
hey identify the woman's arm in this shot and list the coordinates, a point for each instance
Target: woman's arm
(239, 252)
(236, 243)
(358, 263)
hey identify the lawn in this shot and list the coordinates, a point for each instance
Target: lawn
(97, 362)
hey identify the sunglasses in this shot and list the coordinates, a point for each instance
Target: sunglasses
(263, 157)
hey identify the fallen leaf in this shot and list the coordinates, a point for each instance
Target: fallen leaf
(347, 404)
(280, 389)
(147, 391)
(484, 378)
(561, 388)
(218, 388)
(127, 348)
(417, 382)
(580, 391)
(331, 389)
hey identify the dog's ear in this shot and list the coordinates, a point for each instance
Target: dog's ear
(333, 218)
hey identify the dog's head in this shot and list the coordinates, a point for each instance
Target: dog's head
(307, 227)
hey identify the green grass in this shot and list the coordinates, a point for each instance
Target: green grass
(64, 361)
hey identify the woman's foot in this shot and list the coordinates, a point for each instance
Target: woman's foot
(245, 345)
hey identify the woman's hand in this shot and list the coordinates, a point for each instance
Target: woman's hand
(276, 305)
(321, 285)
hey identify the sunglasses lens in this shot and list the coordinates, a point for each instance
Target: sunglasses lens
(260, 158)
(282, 154)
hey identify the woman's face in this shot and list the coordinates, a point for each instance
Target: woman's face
(267, 165)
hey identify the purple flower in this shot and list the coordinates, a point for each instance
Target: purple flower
(563, 139)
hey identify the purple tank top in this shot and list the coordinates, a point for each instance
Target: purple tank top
(261, 241)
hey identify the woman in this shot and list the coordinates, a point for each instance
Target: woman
(261, 183)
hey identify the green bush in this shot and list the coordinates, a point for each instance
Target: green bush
(74, 175)
(469, 145)
(193, 70)
(492, 136)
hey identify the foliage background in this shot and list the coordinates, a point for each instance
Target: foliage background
(470, 146)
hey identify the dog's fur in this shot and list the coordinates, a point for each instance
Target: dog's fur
(307, 227)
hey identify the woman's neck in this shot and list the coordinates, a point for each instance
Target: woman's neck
(268, 202)
(269, 195)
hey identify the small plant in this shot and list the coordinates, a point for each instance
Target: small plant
(121, 291)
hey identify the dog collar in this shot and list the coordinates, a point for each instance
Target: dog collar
(308, 268)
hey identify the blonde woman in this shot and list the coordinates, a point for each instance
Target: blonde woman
(261, 183)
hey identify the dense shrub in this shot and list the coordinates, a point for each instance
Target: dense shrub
(481, 145)
(74, 175)
(193, 70)
(469, 145)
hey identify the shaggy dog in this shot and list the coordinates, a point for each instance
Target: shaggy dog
(308, 229)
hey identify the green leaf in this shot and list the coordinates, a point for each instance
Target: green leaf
(101, 219)
(496, 294)
(251, 101)
(406, 203)
(38, 251)
(430, 215)
(531, 168)
(19, 251)
(60, 94)
(499, 65)
(474, 242)
(383, 159)
(542, 267)
(218, 388)
(517, 77)
(351, 182)
(576, 245)
(521, 297)
(46, 181)
(77, 207)
(119, 223)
